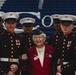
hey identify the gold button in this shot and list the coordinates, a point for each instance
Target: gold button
(63, 43)
(62, 58)
(68, 65)
(30, 44)
(56, 39)
(56, 36)
(18, 46)
(12, 48)
(11, 44)
(28, 38)
(11, 40)
(11, 55)
(63, 46)
(10, 37)
(62, 54)
(19, 43)
(64, 39)
(11, 51)
(4, 45)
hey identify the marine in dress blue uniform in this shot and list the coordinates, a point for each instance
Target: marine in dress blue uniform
(27, 25)
(11, 46)
(53, 40)
(65, 57)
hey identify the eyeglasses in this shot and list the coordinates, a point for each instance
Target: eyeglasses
(39, 37)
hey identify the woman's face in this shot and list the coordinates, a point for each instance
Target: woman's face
(39, 40)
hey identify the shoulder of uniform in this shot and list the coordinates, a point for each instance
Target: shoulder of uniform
(73, 35)
(2, 33)
(48, 46)
(32, 48)
(17, 35)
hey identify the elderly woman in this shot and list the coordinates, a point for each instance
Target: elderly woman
(40, 55)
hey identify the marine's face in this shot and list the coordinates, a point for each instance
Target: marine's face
(10, 26)
(57, 26)
(66, 29)
(27, 29)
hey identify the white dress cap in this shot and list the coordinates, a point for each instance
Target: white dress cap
(27, 20)
(10, 15)
(67, 17)
(55, 16)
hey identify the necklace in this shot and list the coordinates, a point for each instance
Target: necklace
(40, 50)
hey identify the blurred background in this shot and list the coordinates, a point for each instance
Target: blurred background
(41, 10)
